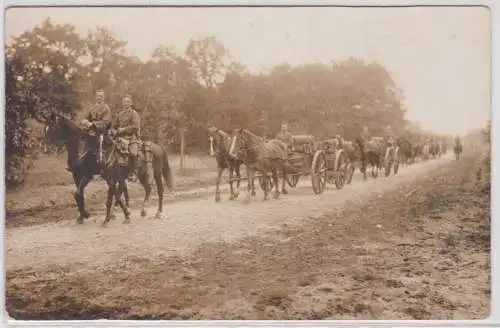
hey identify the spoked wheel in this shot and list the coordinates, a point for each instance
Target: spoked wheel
(387, 162)
(340, 169)
(319, 172)
(292, 180)
(396, 160)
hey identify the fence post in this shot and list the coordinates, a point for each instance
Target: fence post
(182, 133)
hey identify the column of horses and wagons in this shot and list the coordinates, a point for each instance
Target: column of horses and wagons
(115, 150)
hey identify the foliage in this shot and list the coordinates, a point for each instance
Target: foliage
(52, 67)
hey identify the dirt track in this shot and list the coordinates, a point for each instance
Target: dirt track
(400, 247)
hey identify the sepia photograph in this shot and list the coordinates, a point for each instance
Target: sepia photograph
(248, 163)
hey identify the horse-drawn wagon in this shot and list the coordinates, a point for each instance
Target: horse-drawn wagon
(331, 164)
(325, 161)
(299, 159)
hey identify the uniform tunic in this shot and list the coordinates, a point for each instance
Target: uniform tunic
(286, 137)
(129, 122)
(100, 116)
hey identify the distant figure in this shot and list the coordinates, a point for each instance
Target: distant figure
(389, 135)
(285, 136)
(340, 141)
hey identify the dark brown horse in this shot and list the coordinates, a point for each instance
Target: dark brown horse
(109, 165)
(220, 142)
(458, 149)
(371, 153)
(407, 150)
(260, 156)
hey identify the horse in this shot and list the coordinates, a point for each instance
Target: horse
(261, 156)
(84, 166)
(406, 149)
(352, 156)
(426, 151)
(434, 149)
(371, 152)
(220, 143)
(458, 150)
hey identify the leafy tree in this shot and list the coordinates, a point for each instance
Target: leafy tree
(42, 72)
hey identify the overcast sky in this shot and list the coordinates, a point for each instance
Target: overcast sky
(440, 57)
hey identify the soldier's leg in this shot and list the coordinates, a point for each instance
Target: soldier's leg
(134, 153)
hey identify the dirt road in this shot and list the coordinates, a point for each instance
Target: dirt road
(301, 256)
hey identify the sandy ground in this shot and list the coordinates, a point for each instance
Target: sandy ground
(411, 246)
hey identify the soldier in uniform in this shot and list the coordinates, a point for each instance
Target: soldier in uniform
(97, 117)
(127, 126)
(285, 136)
(340, 141)
(389, 135)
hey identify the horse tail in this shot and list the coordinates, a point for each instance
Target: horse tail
(167, 172)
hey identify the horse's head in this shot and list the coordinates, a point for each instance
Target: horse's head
(216, 138)
(59, 129)
(239, 144)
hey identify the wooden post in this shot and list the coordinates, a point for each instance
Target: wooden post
(182, 132)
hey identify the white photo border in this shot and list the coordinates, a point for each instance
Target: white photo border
(493, 320)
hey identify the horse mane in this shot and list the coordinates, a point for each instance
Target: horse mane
(253, 135)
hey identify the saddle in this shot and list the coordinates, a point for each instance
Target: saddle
(122, 146)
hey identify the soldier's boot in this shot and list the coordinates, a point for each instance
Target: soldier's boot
(133, 162)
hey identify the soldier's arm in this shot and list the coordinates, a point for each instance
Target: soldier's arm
(134, 126)
(104, 123)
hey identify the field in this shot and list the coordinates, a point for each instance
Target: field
(411, 246)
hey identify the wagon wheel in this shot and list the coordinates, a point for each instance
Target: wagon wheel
(292, 180)
(388, 161)
(319, 172)
(396, 160)
(340, 169)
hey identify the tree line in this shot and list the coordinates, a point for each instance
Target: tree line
(52, 67)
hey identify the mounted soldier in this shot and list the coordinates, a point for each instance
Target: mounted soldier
(340, 141)
(97, 117)
(389, 135)
(127, 128)
(285, 136)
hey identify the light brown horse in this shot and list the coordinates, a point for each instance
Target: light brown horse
(260, 156)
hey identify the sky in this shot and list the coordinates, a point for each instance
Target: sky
(440, 57)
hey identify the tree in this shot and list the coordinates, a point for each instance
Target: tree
(42, 74)
(209, 60)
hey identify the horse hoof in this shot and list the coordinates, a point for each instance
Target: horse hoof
(143, 213)
(276, 195)
(231, 198)
(253, 193)
(217, 198)
(79, 220)
(86, 214)
(159, 216)
(126, 221)
(104, 224)
(112, 216)
(285, 192)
